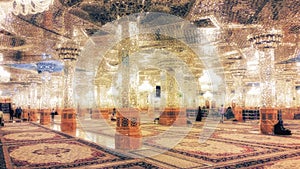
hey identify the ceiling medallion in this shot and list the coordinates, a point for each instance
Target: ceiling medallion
(25, 7)
(266, 39)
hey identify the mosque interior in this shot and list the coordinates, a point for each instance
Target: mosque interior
(150, 83)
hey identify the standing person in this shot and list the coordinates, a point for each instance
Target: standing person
(1, 118)
(222, 112)
(11, 114)
(52, 114)
(199, 114)
(20, 112)
(17, 111)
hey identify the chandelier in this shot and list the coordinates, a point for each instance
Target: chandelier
(50, 66)
(5, 8)
(266, 39)
(26, 7)
(205, 81)
(68, 51)
(4, 75)
(145, 87)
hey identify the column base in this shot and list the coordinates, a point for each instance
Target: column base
(268, 118)
(68, 120)
(238, 114)
(173, 116)
(32, 115)
(44, 116)
(128, 132)
(128, 142)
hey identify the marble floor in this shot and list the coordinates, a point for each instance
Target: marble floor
(206, 144)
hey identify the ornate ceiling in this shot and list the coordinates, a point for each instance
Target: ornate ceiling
(25, 39)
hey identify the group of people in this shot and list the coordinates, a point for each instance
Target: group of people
(222, 111)
(17, 113)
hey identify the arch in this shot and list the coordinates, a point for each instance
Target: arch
(122, 38)
(177, 31)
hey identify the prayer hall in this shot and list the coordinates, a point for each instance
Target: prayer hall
(162, 84)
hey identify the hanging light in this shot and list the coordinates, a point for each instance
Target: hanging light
(112, 91)
(254, 90)
(145, 87)
(208, 95)
(266, 38)
(5, 10)
(25, 7)
(68, 50)
(4, 75)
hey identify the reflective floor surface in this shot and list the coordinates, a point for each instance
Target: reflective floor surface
(94, 145)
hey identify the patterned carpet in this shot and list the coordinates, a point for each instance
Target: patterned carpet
(237, 145)
(232, 145)
(28, 145)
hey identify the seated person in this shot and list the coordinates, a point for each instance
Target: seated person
(280, 130)
(112, 117)
(229, 113)
(156, 120)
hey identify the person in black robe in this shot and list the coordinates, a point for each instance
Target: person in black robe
(279, 128)
(229, 113)
(199, 114)
(11, 114)
(52, 115)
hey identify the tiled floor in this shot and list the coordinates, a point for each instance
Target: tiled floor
(231, 145)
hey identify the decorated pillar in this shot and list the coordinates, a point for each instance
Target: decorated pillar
(172, 91)
(33, 95)
(44, 111)
(267, 81)
(68, 53)
(125, 81)
(173, 114)
(128, 135)
(266, 42)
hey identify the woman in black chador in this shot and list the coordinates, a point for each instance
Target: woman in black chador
(199, 115)
(229, 113)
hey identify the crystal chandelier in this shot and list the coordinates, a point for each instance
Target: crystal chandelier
(145, 87)
(4, 75)
(49, 66)
(266, 39)
(68, 51)
(26, 7)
